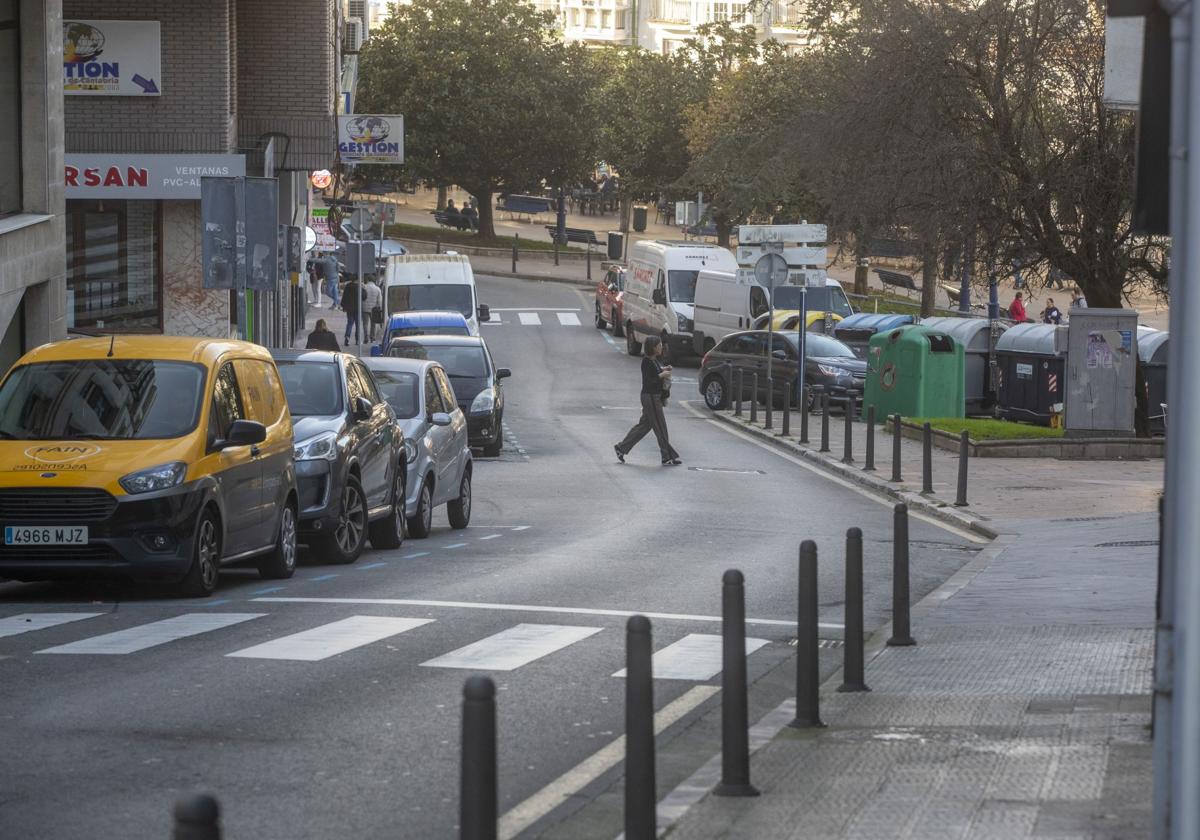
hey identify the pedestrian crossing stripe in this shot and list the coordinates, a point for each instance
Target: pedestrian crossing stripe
(331, 639)
(28, 622)
(533, 319)
(697, 656)
(512, 648)
(530, 319)
(153, 634)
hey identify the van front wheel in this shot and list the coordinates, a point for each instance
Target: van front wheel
(634, 348)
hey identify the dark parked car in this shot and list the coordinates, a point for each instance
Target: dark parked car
(474, 378)
(827, 362)
(350, 466)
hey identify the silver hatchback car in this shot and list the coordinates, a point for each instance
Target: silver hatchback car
(435, 439)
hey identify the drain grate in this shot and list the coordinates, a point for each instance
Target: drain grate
(1127, 544)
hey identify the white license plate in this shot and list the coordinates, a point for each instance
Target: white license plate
(45, 535)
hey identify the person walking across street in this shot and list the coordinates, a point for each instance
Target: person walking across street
(1016, 309)
(373, 300)
(656, 384)
(352, 304)
(322, 338)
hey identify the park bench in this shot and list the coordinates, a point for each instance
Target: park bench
(583, 237)
(895, 278)
(524, 205)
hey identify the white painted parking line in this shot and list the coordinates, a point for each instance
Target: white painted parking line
(568, 319)
(697, 656)
(514, 647)
(15, 625)
(530, 319)
(491, 537)
(331, 639)
(153, 634)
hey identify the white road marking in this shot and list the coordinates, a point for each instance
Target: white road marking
(514, 647)
(331, 639)
(15, 625)
(474, 605)
(530, 319)
(591, 768)
(153, 634)
(491, 537)
(697, 656)
(535, 309)
(522, 527)
(568, 319)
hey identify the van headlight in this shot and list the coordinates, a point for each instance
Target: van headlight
(317, 447)
(410, 451)
(484, 401)
(162, 477)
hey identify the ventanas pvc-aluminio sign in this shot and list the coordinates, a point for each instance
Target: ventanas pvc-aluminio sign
(138, 176)
(371, 138)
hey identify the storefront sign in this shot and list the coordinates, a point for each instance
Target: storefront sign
(111, 58)
(319, 222)
(146, 176)
(370, 138)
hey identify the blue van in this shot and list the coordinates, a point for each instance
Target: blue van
(432, 322)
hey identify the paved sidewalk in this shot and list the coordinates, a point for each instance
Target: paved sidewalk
(1024, 709)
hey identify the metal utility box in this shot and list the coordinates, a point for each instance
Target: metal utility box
(1031, 372)
(1101, 372)
(1152, 355)
(975, 335)
(915, 371)
(856, 330)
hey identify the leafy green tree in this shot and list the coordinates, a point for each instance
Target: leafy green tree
(491, 100)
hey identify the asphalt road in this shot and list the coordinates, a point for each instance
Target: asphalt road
(99, 739)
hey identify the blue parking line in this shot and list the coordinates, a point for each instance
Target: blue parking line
(372, 566)
(268, 590)
(215, 603)
(414, 555)
(324, 577)
(456, 545)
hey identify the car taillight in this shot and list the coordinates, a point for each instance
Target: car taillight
(704, 361)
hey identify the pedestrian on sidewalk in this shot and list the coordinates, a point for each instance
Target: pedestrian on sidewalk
(373, 299)
(1051, 314)
(1078, 301)
(322, 338)
(352, 304)
(656, 387)
(1016, 309)
(329, 268)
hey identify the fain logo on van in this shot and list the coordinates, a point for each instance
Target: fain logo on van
(62, 453)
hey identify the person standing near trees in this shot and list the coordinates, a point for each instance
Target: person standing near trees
(656, 387)
(1016, 309)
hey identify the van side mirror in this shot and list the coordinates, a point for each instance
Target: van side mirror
(485, 314)
(362, 408)
(779, 354)
(440, 418)
(659, 296)
(503, 373)
(243, 433)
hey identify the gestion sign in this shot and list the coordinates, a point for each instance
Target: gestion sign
(371, 138)
(111, 58)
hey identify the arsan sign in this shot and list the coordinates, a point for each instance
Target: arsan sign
(371, 138)
(111, 58)
(145, 176)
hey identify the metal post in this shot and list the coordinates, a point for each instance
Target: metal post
(808, 675)
(870, 465)
(437, 244)
(477, 797)
(824, 422)
(964, 443)
(853, 678)
(197, 817)
(848, 443)
(358, 329)
(769, 423)
(927, 460)
(516, 236)
(754, 399)
(735, 714)
(802, 402)
(787, 410)
(589, 260)
(640, 797)
(556, 250)
(737, 393)
(901, 617)
(896, 447)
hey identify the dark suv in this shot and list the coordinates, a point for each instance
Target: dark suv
(350, 466)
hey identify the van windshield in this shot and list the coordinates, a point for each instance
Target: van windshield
(101, 399)
(819, 299)
(452, 296)
(682, 286)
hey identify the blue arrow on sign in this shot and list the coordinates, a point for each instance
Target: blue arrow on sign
(147, 85)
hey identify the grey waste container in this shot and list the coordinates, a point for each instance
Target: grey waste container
(973, 334)
(639, 218)
(1152, 355)
(616, 243)
(1031, 361)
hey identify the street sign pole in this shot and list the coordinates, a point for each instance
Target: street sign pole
(801, 340)
(239, 193)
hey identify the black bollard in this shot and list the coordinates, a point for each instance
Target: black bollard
(848, 443)
(852, 663)
(870, 465)
(197, 817)
(737, 393)
(437, 245)
(927, 460)
(754, 398)
(640, 797)
(896, 447)
(556, 250)
(824, 422)
(589, 261)
(477, 792)
(787, 410)
(769, 423)
(901, 616)
(803, 404)
(964, 444)
(735, 714)
(808, 673)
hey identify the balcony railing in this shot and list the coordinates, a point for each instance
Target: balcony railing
(698, 12)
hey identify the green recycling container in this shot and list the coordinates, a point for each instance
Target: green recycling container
(915, 371)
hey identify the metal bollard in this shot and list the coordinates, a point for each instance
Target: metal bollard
(556, 249)
(737, 394)
(754, 399)
(824, 422)
(589, 261)
(870, 465)
(437, 245)
(808, 672)
(196, 817)
(477, 792)
(640, 797)
(927, 460)
(848, 443)
(787, 410)
(769, 423)
(735, 714)
(896, 448)
(964, 444)
(852, 662)
(803, 404)
(901, 615)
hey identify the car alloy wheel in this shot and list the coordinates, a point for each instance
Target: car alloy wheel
(206, 554)
(714, 393)
(388, 532)
(287, 539)
(353, 520)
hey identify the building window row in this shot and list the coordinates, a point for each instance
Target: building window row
(10, 106)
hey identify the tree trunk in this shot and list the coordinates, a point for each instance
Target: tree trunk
(441, 199)
(861, 266)
(723, 229)
(487, 226)
(626, 211)
(929, 270)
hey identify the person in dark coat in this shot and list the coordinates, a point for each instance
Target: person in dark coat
(322, 338)
(352, 302)
(656, 378)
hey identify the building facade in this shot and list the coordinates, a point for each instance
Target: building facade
(32, 261)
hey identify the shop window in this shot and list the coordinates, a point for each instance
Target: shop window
(114, 272)
(10, 104)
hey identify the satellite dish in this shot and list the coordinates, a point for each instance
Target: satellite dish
(771, 271)
(310, 239)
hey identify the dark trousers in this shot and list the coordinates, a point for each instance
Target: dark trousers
(652, 420)
(351, 324)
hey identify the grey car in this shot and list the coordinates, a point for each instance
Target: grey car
(350, 467)
(435, 439)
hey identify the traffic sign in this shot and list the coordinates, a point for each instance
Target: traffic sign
(771, 270)
(759, 234)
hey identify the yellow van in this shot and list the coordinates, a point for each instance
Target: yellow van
(789, 319)
(151, 458)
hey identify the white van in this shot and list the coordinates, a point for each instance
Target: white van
(415, 282)
(660, 288)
